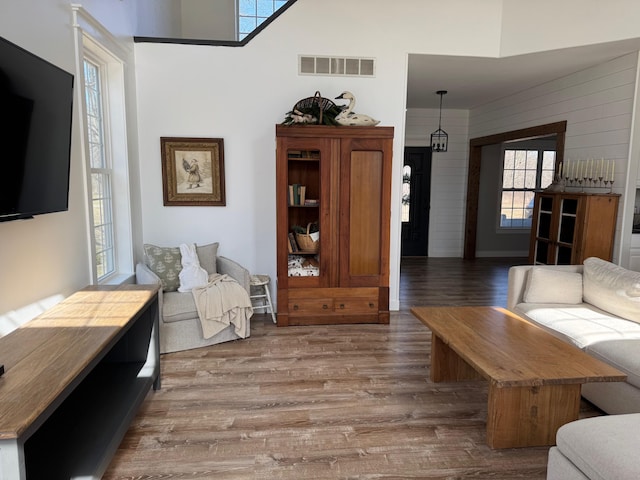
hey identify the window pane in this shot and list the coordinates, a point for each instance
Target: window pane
(406, 192)
(247, 7)
(247, 24)
(507, 179)
(530, 179)
(532, 159)
(509, 161)
(548, 160)
(265, 8)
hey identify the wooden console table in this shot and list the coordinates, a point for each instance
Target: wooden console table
(75, 378)
(534, 377)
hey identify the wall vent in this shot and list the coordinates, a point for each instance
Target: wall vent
(336, 66)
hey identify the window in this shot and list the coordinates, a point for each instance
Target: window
(101, 173)
(524, 171)
(251, 13)
(101, 86)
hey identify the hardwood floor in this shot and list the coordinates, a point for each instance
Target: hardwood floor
(338, 402)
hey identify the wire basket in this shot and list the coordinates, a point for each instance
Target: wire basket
(305, 242)
(316, 106)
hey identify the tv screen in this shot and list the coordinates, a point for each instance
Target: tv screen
(36, 99)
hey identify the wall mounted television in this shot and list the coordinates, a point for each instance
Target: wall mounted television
(36, 101)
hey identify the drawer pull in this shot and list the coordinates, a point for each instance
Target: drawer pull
(325, 306)
(295, 307)
(371, 305)
(342, 305)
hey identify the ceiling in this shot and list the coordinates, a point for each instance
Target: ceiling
(474, 81)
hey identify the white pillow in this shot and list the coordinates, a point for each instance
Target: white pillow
(612, 288)
(192, 274)
(547, 285)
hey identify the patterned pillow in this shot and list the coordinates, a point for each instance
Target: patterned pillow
(166, 263)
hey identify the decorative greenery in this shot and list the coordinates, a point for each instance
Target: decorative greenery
(300, 229)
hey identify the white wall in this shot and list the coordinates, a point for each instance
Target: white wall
(48, 255)
(597, 104)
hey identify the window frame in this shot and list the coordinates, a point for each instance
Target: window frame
(107, 53)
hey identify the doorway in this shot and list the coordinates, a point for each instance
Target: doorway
(475, 159)
(416, 195)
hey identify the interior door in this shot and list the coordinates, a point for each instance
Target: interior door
(416, 196)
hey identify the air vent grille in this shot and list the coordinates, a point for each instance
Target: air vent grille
(336, 66)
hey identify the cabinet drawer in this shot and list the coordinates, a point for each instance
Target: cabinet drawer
(310, 305)
(356, 305)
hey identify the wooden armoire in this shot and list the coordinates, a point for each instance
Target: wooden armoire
(569, 227)
(337, 179)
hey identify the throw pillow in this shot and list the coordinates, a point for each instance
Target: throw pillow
(207, 255)
(166, 263)
(547, 285)
(612, 288)
(192, 274)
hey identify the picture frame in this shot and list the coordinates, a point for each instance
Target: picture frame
(193, 171)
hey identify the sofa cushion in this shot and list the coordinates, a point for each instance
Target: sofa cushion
(166, 263)
(546, 285)
(178, 306)
(621, 354)
(580, 325)
(612, 288)
(603, 447)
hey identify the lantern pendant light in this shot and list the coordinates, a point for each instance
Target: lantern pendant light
(439, 138)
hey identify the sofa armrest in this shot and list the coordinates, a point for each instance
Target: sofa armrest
(144, 276)
(236, 271)
(517, 280)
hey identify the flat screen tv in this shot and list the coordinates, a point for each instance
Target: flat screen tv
(36, 101)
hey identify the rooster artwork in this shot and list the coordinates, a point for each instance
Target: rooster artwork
(193, 171)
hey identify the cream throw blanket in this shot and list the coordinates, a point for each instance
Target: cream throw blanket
(220, 303)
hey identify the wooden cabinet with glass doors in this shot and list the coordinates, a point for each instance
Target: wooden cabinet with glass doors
(569, 227)
(333, 188)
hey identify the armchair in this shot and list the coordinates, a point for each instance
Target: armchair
(180, 327)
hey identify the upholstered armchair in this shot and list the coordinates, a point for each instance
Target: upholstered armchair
(180, 327)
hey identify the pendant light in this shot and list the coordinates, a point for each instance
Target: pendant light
(439, 138)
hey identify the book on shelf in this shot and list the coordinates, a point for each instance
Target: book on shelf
(296, 194)
(290, 194)
(310, 202)
(301, 194)
(293, 245)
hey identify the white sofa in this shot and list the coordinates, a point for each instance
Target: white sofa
(596, 307)
(180, 326)
(598, 448)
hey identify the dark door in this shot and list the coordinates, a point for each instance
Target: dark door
(416, 194)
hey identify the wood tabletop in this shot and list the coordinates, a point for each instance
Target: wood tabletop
(509, 351)
(45, 356)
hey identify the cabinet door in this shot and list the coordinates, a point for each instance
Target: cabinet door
(364, 212)
(542, 245)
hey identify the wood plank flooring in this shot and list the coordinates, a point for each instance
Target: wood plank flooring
(339, 402)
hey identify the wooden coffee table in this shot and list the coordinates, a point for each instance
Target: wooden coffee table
(534, 377)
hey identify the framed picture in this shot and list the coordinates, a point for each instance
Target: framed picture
(192, 171)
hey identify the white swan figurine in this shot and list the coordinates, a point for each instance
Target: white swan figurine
(348, 117)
